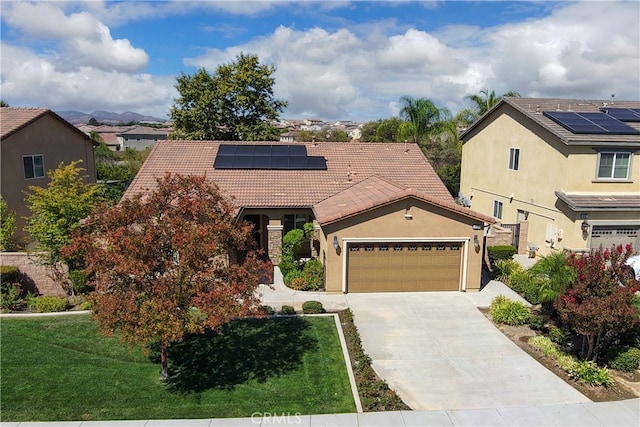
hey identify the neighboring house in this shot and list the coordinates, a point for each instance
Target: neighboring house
(34, 141)
(384, 221)
(142, 137)
(569, 167)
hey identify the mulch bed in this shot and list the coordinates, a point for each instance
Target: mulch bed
(616, 391)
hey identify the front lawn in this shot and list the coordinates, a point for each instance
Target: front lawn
(61, 368)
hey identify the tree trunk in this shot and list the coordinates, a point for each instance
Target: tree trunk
(163, 360)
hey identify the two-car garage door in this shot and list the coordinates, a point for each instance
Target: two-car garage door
(404, 266)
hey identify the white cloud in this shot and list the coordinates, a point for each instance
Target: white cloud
(82, 40)
(580, 50)
(34, 80)
(583, 50)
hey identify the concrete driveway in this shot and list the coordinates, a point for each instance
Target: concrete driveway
(437, 351)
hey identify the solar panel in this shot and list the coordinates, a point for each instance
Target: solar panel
(297, 150)
(244, 150)
(279, 162)
(260, 162)
(279, 150)
(267, 157)
(297, 162)
(317, 163)
(226, 149)
(623, 114)
(242, 162)
(590, 123)
(262, 150)
(223, 162)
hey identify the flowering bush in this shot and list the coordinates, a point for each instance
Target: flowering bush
(599, 302)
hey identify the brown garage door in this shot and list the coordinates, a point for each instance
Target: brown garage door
(388, 267)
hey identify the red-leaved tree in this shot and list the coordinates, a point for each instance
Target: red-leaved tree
(598, 303)
(163, 264)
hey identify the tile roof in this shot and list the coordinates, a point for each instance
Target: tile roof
(533, 108)
(13, 119)
(397, 166)
(374, 192)
(601, 201)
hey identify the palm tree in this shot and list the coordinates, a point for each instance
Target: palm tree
(421, 118)
(486, 100)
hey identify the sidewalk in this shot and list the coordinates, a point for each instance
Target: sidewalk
(609, 414)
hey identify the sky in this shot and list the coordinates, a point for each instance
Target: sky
(334, 60)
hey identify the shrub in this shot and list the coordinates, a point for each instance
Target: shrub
(287, 265)
(500, 252)
(504, 268)
(503, 310)
(9, 275)
(545, 345)
(79, 281)
(287, 309)
(298, 284)
(267, 309)
(518, 280)
(291, 275)
(11, 297)
(588, 372)
(557, 335)
(627, 361)
(526, 285)
(537, 322)
(313, 272)
(87, 305)
(312, 307)
(555, 274)
(49, 304)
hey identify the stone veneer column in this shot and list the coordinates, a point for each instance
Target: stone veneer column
(522, 241)
(274, 249)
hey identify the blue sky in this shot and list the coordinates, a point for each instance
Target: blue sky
(335, 60)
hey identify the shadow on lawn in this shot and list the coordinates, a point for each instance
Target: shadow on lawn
(240, 351)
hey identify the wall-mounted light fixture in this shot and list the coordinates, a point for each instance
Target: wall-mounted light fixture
(476, 242)
(585, 226)
(335, 243)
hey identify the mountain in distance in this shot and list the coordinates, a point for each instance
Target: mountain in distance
(78, 117)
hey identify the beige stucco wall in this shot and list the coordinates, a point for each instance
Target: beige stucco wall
(389, 222)
(56, 142)
(546, 165)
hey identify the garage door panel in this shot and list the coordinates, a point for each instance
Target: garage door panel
(384, 267)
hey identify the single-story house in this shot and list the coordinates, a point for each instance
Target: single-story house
(384, 221)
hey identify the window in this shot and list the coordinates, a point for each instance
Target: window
(290, 222)
(33, 166)
(497, 209)
(514, 158)
(613, 165)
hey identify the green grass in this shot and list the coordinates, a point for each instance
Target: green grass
(61, 368)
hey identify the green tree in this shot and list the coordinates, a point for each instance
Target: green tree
(162, 264)
(484, 101)
(421, 119)
(368, 131)
(389, 130)
(7, 227)
(3, 104)
(236, 103)
(57, 209)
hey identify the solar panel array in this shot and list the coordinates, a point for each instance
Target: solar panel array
(623, 114)
(269, 157)
(590, 123)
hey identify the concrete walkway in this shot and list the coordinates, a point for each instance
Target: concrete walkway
(623, 413)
